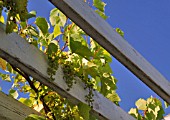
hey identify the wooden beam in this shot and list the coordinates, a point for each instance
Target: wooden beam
(105, 35)
(29, 59)
(11, 109)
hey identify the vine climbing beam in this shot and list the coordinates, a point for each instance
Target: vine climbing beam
(18, 52)
(86, 18)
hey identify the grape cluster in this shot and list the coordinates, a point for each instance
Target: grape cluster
(69, 75)
(52, 68)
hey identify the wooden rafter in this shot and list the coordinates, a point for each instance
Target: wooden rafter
(79, 12)
(32, 61)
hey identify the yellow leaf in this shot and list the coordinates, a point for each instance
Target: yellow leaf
(2, 19)
(56, 30)
(2, 64)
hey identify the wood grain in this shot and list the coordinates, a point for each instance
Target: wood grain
(11, 109)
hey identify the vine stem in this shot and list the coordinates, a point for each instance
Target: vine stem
(31, 83)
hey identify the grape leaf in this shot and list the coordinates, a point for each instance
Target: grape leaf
(21, 8)
(35, 117)
(13, 93)
(57, 17)
(57, 30)
(141, 104)
(99, 4)
(42, 25)
(52, 47)
(84, 110)
(31, 14)
(78, 48)
(26, 101)
(101, 14)
(2, 64)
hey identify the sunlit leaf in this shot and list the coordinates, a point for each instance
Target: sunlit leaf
(57, 30)
(113, 97)
(141, 104)
(13, 93)
(2, 19)
(31, 14)
(35, 117)
(3, 64)
(134, 112)
(57, 17)
(99, 4)
(26, 101)
(120, 32)
(166, 104)
(101, 14)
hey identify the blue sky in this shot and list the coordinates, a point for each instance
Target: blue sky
(146, 27)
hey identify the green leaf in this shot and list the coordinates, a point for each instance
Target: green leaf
(54, 17)
(5, 77)
(166, 104)
(91, 117)
(113, 97)
(21, 7)
(141, 104)
(104, 87)
(26, 101)
(101, 14)
(32, 31)
(120, 32)
(99, 5)
(10, 26)
(84, 110)
(13, 93)
(42, 25)
(23, 25)
(134, 112)
(31, 14)
(57, 17)
(35, 117)
(78, 48)
(57, 30)
(3, 64)
(52, 47)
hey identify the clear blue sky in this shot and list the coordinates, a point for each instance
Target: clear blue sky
(146, 27)
(146, 24)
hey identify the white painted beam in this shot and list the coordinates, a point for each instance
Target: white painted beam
(29, 59)
(103, 33)
(11, 109)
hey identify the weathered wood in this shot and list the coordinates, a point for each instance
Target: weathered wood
(103, 33)
(29, 59)
(11, 109)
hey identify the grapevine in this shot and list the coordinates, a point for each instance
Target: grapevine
(70, 48)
